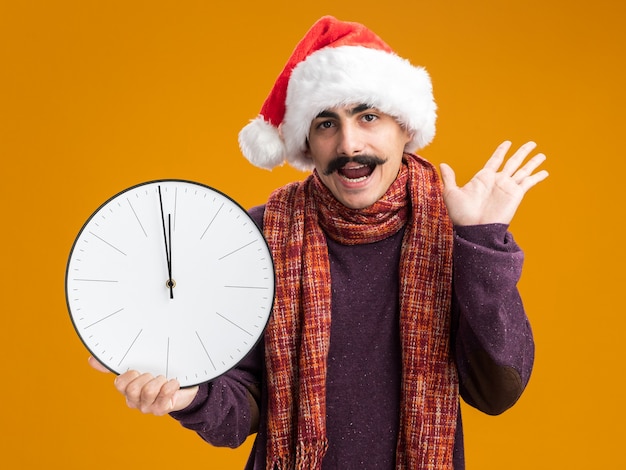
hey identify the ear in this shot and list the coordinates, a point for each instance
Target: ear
(409, 135)
(307, 152)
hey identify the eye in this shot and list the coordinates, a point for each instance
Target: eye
(369, 117)
(325, 125)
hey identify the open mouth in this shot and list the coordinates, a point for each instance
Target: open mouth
(355, 174)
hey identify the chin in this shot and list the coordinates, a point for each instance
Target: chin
(356, 203)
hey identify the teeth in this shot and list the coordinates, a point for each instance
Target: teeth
(351, 171)
(354, 180)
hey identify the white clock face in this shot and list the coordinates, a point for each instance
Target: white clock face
(172, 278)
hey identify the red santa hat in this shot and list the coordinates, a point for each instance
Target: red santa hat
(337, 63)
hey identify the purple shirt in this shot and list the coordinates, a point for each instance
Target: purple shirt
(491, 341)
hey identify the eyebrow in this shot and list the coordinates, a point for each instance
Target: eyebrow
(351, 112)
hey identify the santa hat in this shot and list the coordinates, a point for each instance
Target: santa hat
(337, 63)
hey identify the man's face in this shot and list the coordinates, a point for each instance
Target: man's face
(357, 152)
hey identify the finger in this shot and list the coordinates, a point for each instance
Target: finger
(137, 390)
(448, 176)
(93, 362)
(529, 168)
(532, 180)
(165, 400)
(151, 399)
(121, 381)
(517, 158)
(130, 384)
(497, 157)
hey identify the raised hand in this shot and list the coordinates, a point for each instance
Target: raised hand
(493, 194)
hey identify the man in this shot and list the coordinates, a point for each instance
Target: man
(394, 295)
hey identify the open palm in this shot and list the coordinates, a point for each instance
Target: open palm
(493, 194)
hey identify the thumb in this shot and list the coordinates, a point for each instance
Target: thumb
(183, 397)
(93, 362)
(447, 176)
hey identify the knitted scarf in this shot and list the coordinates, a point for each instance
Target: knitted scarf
(297, 217)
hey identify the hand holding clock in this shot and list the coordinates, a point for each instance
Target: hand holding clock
(149, 394)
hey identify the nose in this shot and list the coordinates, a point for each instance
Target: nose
(349, 140)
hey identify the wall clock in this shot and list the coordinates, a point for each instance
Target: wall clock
(170, 277)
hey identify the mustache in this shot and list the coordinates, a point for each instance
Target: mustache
(340, 162)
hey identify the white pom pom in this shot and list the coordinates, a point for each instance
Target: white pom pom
(261, 144)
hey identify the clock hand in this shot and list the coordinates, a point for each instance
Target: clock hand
(170, 282)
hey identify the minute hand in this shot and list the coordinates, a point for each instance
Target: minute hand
(168, 246)
(170, 282)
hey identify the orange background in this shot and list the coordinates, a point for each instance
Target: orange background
(96, 96)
